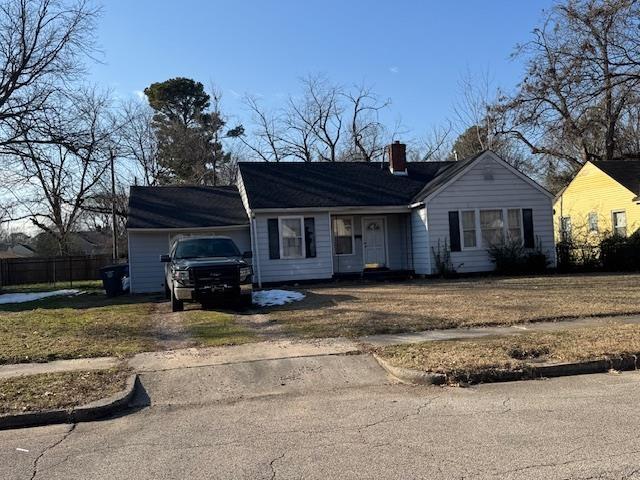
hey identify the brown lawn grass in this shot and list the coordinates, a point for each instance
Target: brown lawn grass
(364, 309)
(51, 391)
(93, 325)
(87, 325)
(456, 357)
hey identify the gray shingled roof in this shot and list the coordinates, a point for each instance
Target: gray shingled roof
(185, 207)
(340, 184)
(625, 172)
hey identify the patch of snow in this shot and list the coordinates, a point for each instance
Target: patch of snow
(30, 297)
(270, 298)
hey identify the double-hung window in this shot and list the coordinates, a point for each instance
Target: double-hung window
(514, 225)
(292, 237)
(469, 235)
(565, 229)
(343, 236)
(491, 227)
(593, 222)
(620, 223)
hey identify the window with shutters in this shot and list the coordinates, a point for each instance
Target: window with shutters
(481, 228)
(469, 231)
(343, 235)
(291, 237)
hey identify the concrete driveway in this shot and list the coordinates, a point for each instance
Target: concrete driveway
(334, 417)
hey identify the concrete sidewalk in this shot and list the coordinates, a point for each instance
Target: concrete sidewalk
(192, 357)
(248, 352)
(18, 369)
(290, 348)
(464, 333)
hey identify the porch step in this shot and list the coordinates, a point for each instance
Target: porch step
(377, 274)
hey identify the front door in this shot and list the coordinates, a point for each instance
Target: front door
(373, 242)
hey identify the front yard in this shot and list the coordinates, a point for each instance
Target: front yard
(51, 391)
(366, 309)
(90, 324)
(465, 358)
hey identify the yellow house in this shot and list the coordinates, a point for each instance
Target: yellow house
(602, 198)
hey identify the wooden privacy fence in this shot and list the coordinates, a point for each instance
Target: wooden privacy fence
(20, 271)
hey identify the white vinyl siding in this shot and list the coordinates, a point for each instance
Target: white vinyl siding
(145, 248)
(420, 242)
(475, 190)
(289, 269)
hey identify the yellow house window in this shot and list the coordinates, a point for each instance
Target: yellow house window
(619, 222)
(565, 229)
(593, 222)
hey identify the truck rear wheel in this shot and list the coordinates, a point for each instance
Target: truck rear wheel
(245, 301)
(176, 305)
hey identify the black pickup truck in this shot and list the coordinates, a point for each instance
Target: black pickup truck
(201, 269)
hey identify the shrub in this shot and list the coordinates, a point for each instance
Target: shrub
(621, 253)
(442, 260)
(511, 257)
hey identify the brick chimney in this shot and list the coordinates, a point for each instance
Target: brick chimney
(397, 153)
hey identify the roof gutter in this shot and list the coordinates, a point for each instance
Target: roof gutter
(256, 254)
(190, 229)
(345, 209)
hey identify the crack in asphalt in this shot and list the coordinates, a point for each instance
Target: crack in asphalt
(272, 465)
(569, 462)
(36, 460)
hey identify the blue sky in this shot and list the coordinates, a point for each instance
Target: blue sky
(413, 52)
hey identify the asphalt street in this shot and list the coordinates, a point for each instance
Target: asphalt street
(340, 416)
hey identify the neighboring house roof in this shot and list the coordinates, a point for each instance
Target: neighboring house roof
(625, 172)
(339, 184)
(19, 250)
(185, 207)
(9, 254)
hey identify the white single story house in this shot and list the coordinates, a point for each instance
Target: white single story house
(316, 221)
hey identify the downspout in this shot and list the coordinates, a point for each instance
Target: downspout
(254, 242)
(410, 242)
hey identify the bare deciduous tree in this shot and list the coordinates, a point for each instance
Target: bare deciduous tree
(42, 45)
(366, 132)
(137, 140)
(59, 166)
(324, 123)
(583, 68)
(265, 139)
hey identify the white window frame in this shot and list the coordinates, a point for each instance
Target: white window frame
(597, 226)
(353, 236)
(566, 235)
(613, 223)
(505, 214)
(476, 226)
(302, 237)
(505, 227)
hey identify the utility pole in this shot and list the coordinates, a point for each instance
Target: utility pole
(114, 227)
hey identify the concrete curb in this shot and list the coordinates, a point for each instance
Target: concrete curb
(407, 375)
(85, 413)
(531, 371)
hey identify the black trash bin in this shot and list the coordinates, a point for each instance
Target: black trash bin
(112, 278)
